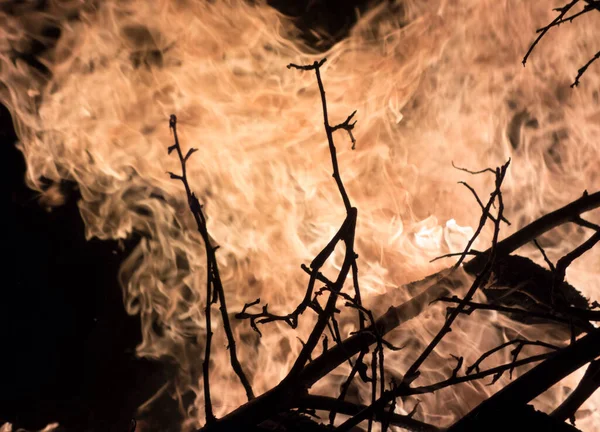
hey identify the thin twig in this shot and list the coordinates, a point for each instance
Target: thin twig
(201, 223)
(213, 276)
(520, 344)
(472, 172)
(481, 206)
(560, 19)
(316, 66)
(495, 372)
(587, 8)
(328, 404)
(500, 174)
(586, 224)
(584, 68)
(546, 259)
(542, 32)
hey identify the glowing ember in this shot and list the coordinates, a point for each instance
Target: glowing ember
(438, 82)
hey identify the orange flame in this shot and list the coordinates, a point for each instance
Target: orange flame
(438, 82)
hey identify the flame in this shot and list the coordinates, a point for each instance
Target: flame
(433, 82)
(8, 427)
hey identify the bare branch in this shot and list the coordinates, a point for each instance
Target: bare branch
(548, 262)
(542, 32)
(500, 174)
(565, 214)
(565, 261)
(560, 19)
(213, 278)
(473, 172)
(536, 381)
(520, 344)
(413, 371)
(584, 68)
(586, 387)
(329, 404)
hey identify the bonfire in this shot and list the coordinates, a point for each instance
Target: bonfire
(395, 231)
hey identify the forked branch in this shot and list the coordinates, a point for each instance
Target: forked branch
(561, 18)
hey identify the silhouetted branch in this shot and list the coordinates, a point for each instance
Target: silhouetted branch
(560, 19)
(569, 213)
(388, 417)
(404, 390)
(359, 367)
(586, 224)
(413, 371)
(564, 262)
(542, 31)
(292, 385)
(495, 372)
(348, 127)
(482, 277)
(472, 172)
(520, 343)
(586, 387)
(326, 403)
(465, 184)
(314, 272)
(536, 381)
(213, 279)
(546, 259)
(397, 315)
(584, 68)
(201, 223)
(348, 230)
(568, 19)
(496, 194)
(316, 66)
(472, 252)
(549, 316)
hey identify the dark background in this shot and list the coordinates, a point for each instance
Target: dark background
(66, 344)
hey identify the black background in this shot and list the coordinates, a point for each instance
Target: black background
(66, 344)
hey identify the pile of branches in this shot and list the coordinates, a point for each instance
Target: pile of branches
(289, 406)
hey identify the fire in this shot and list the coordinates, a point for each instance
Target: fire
(434, 82)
